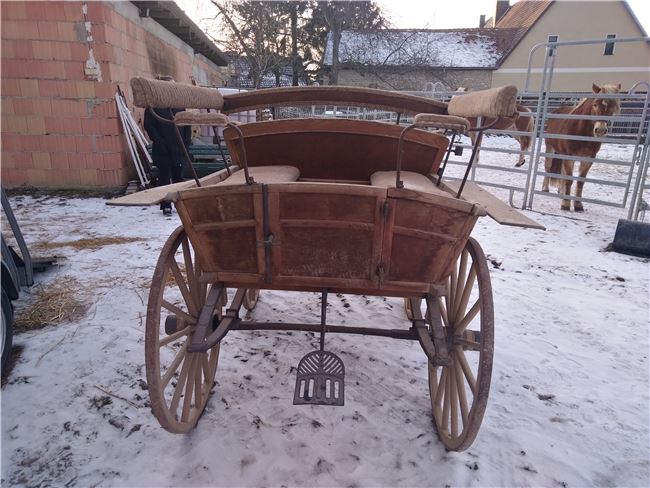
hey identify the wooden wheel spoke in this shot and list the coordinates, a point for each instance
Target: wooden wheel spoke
(462, 397)
(470, 340)
(465, 294)
(461, 325)
(182, 286)
(445, 404)
(460, 280)
(178, 312)
(451, 293)
(198, 380)
(180, 384)
(464, 366)
(192, 280)
(189, 386)
(453, 394)
(176, 335)
(173, 367)
(205, 366)
(443, 312)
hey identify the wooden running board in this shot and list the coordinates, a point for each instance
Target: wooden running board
(500, 211)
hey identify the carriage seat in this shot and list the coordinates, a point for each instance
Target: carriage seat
(411, 180)
(263, 174)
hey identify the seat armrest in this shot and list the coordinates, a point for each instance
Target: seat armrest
(201, 118)
(442, 122)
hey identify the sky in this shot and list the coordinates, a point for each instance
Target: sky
(465, 13)
(421, 13)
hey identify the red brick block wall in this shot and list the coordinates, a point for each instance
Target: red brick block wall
(60, 126)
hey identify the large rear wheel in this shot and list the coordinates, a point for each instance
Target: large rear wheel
(459, 392)
(179, 382)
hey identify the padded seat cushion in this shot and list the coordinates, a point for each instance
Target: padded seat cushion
(411, 180)
(263, 174)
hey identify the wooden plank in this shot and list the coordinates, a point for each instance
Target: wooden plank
(500, 211)
(154, 196)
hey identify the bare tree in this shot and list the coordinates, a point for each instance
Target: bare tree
(257, 30)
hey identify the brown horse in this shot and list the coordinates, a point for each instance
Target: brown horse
(600, 107)
(521, 124)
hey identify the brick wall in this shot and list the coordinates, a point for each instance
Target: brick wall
(61, 65)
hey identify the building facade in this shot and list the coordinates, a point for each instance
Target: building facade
(62, 64)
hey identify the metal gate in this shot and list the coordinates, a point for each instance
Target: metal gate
(618, 174)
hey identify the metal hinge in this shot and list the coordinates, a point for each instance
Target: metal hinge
(385, 209)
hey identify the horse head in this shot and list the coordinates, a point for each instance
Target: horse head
(605, 107)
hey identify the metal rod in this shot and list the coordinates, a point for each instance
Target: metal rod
(323, 316)
(188, 158)
(441, 171)
(244, 159)
(479, 137)
(330, 329)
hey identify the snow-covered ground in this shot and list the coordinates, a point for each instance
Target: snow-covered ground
(568, 404)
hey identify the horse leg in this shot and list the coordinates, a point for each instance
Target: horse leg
(524, 144)
(565, 185)
(548, 161)
(584, 169)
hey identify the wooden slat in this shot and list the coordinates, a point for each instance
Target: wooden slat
(153, 196)
(500, 211)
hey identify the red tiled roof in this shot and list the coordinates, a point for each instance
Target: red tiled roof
(521, 17)
(523, 14)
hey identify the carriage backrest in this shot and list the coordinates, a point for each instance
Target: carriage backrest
(336, 149)
(165, 94)
(332, 95)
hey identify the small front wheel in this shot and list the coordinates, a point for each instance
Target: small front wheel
(250, 298)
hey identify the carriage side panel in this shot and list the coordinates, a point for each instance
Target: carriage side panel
(224, 225)
(424, 234)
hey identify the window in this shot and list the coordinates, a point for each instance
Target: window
(609, 46)
(551, 49)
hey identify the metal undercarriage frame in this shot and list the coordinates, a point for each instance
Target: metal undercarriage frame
(429, 332)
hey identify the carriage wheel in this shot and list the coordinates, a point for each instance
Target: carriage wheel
(179, 382)
(250, 298)
(407, 308)
(459, 392)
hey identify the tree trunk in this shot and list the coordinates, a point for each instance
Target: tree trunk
(336, 42)
(294, 44)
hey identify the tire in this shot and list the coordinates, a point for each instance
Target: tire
(7, 329)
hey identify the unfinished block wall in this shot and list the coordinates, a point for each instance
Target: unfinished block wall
(61, 65)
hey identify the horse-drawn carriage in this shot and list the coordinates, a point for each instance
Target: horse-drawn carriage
(327, 206)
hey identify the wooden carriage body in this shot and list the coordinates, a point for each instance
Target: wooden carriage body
(325, 205)
(339, 225)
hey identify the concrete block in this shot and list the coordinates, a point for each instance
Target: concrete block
(48, 31)
(41, 160)
(28, 88)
